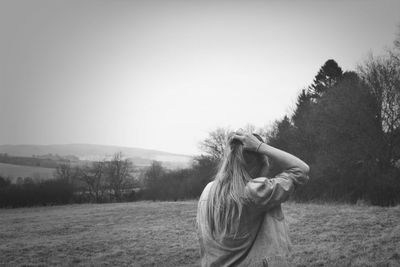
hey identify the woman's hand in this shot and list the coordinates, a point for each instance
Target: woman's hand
(249, 141)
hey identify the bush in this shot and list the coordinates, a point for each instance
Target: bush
(51, 192)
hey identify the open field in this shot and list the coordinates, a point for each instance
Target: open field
(15, 171)
(163, 234)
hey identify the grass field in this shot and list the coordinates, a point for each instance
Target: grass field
(14, 171)
(163, 234)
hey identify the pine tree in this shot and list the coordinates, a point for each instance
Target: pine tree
(328, 76)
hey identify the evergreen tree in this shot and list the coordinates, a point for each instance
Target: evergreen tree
(281, 134)
(303, 106)
(328, 75)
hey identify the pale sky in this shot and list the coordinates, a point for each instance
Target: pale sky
(162, 74)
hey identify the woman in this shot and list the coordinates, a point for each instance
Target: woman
(240, 220)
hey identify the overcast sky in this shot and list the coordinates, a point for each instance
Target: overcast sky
(162, 74)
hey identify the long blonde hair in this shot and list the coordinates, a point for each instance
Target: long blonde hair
(227, 196)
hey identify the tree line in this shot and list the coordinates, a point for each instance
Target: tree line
(100, 181)
(114, 180)
(345, 125)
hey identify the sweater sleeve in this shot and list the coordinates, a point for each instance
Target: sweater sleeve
(267, 193)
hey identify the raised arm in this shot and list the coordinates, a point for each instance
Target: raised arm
(282, 158)
(268, 193)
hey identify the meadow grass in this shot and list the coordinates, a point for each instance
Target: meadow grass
(15, 171)
(163, 234)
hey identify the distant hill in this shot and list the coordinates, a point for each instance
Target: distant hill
(139, 156)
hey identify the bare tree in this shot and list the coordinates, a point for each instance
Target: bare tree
(397, 40)
(395, 52)
(94, 177)
(261, 131)
(214, 144)
(65, 172)
(154, 180)
(119, 170)
(382, 74)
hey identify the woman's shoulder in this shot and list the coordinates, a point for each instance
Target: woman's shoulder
(206, 191)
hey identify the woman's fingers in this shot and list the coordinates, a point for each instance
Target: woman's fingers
(239, 131)
(249, 141)
(238, 137)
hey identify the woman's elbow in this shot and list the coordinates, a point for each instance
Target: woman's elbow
(306, 169)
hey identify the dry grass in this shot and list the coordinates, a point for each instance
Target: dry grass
(344, 235)
(163, 234)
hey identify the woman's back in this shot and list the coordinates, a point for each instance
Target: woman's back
(260, 235)
(222, 250)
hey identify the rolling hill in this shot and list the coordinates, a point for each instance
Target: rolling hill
(91, 152)
(88, 152)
